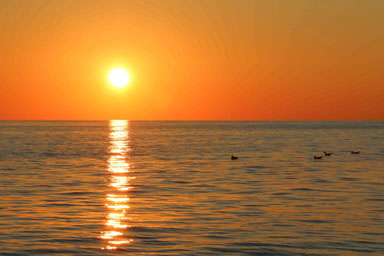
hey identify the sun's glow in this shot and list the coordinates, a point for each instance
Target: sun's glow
(119, 77)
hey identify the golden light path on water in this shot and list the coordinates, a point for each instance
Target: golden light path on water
(117, 218)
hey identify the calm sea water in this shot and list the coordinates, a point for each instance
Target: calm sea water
(170, 188)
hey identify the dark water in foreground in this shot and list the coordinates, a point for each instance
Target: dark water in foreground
(170, 188)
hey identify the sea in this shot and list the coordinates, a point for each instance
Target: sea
(123, 187)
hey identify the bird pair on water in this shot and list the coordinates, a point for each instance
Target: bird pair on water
(329, 154)
(315, 157)
(320, 157)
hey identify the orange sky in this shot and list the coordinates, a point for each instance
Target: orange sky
(192, 59)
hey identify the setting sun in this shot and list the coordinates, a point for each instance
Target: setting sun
(118, 77)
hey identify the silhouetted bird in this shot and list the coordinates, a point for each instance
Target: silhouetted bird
(317, 157)
(327, 154)
(355, 152)
(234, 157)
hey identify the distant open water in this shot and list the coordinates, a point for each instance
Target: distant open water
(170, 188)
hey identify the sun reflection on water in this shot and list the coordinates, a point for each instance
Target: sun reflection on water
(117, 200)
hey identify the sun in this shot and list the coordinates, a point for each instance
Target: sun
(119, 77)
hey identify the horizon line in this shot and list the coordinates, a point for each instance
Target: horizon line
(203, 120)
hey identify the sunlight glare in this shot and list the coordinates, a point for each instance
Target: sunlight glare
(118, 77)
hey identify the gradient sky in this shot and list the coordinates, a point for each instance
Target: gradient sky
(193, 59)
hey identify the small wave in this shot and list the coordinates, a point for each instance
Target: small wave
(76, 193)
(280, 193)
(257, 244)
(49, 154)
(317, 221)
(376, 199)
(8, 169)
(57, 204)
(252, 249)
(158, 230)
(257, 167)
(69, 240)
(180, 182)
(49, 252)
(303, 189)
(216, 237)
(321, 181)
(349, 179)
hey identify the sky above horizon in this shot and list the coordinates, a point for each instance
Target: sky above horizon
(192, 59)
